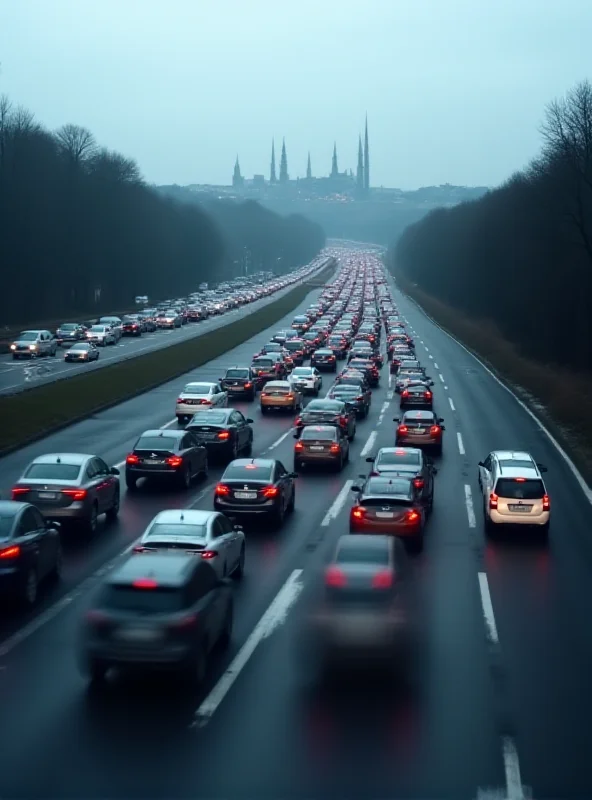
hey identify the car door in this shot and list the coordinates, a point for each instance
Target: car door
(92, 480)
(281, 476)
(186, 451)
(240, 425)
(106, 483)
(34, 537)
(196, 452)
(317, 377)
(234, 542)
(485, 475)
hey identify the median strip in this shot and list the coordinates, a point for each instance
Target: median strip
(31, 415)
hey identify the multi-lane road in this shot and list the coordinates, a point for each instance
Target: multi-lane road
(16, 376)
(502, 701)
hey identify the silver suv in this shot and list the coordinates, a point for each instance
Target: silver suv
(31, 344)
(514, 492)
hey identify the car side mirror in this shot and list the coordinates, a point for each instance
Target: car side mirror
(114, 471)
(220, 379)
(296, 435)
(443, 427)
(434, 470)
(440, 419)
(396, 419)
(370, 459)
(237, 527)
(249, 421)
(356, 488)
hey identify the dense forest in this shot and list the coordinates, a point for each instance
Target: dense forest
(521, 256)
(80, 230)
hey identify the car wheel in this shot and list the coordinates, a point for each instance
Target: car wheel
(205, 469)
(292, 503)
(131, 483)
(56, 572)
(353, 435)
(93, 519)
(278, 515)
(264, 410)
(438, 450)
(114, 510)
(234, 450)
(199, 669)
(185, 477)
(30, 588)
(238, 571)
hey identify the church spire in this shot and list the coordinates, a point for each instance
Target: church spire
(308, 167)
(334, 167)
(237, 178)
(284, 177)
(360, 170)
(366, 159)
(272, 176)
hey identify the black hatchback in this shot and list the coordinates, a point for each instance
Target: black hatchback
(166, 455)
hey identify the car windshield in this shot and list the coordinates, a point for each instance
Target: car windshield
(28, 336)
(398, 458)
(237, 373)
(6, 522)
(247, 472)
(177, 529)
(520, 488)
(157, 443)
(53, 472)
(198, 388)
(68, 326)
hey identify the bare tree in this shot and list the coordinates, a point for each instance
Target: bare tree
(115, 167)
(5, 114)
(77, 144)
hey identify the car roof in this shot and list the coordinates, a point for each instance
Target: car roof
(10, 508)
(184, 516)
(169, 569)
(63, 458)
(258, 462)
(512, 455)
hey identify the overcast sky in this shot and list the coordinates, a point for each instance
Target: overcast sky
(454, 89)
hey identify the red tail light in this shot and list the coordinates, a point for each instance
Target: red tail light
(435, 430)
(174, 461)
(335, 448)
(224, 435)
(418, 483)
(335, 578)
(412, 516)
(75, 494)
(132, 459)
(358, 512)
(298, 447)
(13, 551)
(180, 400)
(546, 503)
(207, 554)
(205, 402)
(402, 429)
(18, 490)
(222, 490)
(427, 395)
(271, 491)
(298, 421)
(493, 498)
(405, 393)
(145, 583)
(343, 420)
(140, 549)
(382, 580)
(248, 385)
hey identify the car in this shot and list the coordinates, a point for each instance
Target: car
(365, 614)
(280, 395)
(268, 368)
(256, 487)
(132, 326)
(300, 323)
(297, 349)
(197, 395)
(389, 505)
(114, 323)
(350, 394)
(71, 488)
(321, 444)
(368, 368)
(70, 332)
(407, 376)
(358, 380)
(223, 432)
(30, 551)
(338, 345)
(166, 455)
(206, 533)
(420, 429)
(169, 319)
(514, 492)
(328, 412)
(82, 351)
(239, 381)
(407, 462)
(101, 335)
(306, 379)
(34, 344)
(165, 611)
(416, 394)
(324, 359)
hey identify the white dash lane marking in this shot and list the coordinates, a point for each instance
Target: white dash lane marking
(514, 788)
(426, 349)
(451, 404)
(369, 444)
(487, 609)
(337, 504)
(461, 447)
(275, 616)
(280, 440)
(390, 394)
(437, 367)
(469, 505)
(441, 377)
(431, 356)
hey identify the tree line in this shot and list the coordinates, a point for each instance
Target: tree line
(521, 256)
(81, 231)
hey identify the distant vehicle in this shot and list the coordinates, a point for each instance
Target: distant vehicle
(142, 300)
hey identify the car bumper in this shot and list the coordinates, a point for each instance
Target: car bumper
(291, 406)
(75, 511)
(317, 458)
(418, 441)
(237, 508)
(530, 520)
(162, 473)
(387, 527)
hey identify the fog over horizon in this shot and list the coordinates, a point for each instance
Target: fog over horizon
(455, 90)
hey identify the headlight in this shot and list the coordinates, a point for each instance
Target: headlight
(32, 347)
(13, 347)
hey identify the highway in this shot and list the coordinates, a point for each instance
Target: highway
(16, 376)
(502, 702)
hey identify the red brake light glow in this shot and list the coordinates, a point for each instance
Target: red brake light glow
(412, 516)
(335, 578)
(224, 435)
(145, 583)
(405, 393)
(132, 459)
(222, 489)
(358, 512)
(271, 491)
(75, 494)
(19, 490)
(335, 448)
(10, 552)
(546, 502)
(520, 480)
(207, 554)
(418, 483)
(435, 429)
(298, 446)
(493, 498)
(174, 461)
(382, 580)
(403, 429)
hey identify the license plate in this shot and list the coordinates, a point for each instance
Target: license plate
(316, 447)
(385, 514)
(416, 431)
(139, 634)
(47, 495)
(152, 461)
(245, 495)
(300, 385)
(521, 509)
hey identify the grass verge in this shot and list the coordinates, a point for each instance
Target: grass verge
(561, 398)
(33, 414)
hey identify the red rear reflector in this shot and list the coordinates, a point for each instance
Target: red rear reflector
(145, 583)
(493, 498)
(382, 580)
(222, 489)
(11, 552)
(132, 459)
(224, 435)
(335, 578)
(546, 502)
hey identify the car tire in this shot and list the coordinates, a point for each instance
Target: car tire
(131, 483)
(233, 450)
(544, 533)
(30, 588)
(226, 634)
(292, 503)
(239, 570)
(353, 436)
(185, 477)
(264, 410)
(278, 515)
(438, 450)
(92, 520)
(113, 512)
(205, 469)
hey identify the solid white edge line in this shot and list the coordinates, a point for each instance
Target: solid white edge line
(469, 506)
(487, 608)
(369, 444)
(274, 616)
(337, 504)
(451, 404)
(514, 788)
(459, 439)
(587, 490)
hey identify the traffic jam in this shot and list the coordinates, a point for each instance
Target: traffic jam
(169, 601)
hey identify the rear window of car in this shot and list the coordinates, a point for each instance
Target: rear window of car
(351, 381)
(172, 529)
(157, 443)
(247, 472)
(198, 388)
(398, 457)
(363, 553)
(161, 600)
(53, 472)
(324, 405)
(293, 344)
(208, 418)
(526, 489)
(389, 486)
(319, 432)
(237, 373)
(263, 362)
(419, 416)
